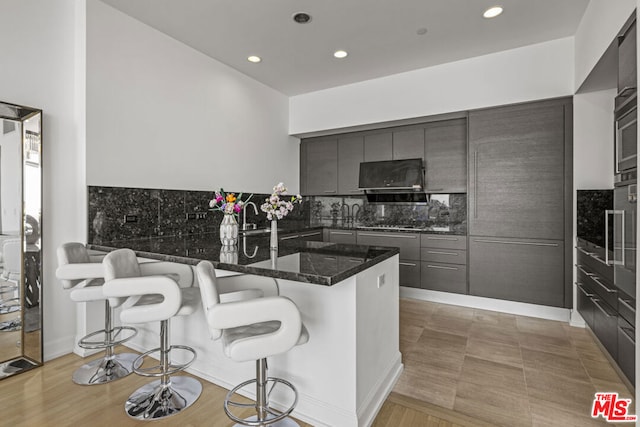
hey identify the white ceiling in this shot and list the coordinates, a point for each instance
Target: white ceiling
(380, 35)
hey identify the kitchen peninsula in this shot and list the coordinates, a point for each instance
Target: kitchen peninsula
(348, 298)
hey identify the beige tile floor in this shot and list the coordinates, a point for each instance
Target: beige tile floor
(504, 369)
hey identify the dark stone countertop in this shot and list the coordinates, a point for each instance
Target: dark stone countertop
(320, 263)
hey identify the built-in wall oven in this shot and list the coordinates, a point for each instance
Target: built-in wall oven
(626, 126)
(624, 217)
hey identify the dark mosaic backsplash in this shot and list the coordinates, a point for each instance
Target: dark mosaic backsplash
(443, 210)
(164, 213)
(590, 221)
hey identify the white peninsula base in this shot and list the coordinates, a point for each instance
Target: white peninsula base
(346, 370)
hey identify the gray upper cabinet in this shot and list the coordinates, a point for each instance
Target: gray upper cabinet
(408, 143)
(322, 166)
(516, 171)
(350, 155)
(303, 168)
(627, 54)
(445, 154)
(378, 146)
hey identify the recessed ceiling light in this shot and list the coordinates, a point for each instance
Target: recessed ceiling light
(340, 54)
(302, 18)
(421, 31)
(492, 12)
(254, 59)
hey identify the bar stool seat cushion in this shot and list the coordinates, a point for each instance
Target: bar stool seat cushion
(238, 341)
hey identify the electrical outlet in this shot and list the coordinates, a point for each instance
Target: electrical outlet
(381, 280)
(191, 215)
(201, 215)
(130, 218)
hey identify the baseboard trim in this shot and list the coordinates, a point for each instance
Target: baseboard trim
(373, 403)
(503, 306)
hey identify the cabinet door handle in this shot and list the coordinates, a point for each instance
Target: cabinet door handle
(408, 264)
(355, 191)
(475, 184)
(342, 233)
(433, 189)
(504, 242)
(441, 267)
(289, 237)
(409, 236)
(580, 286)
(356, 260)
(627, 334)
(311, 234)
(453, 239)
(595, 278)
(626, 304)
(442, 253)
(595, 301)
(329, 191)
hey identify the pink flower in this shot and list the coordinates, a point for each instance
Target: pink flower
(237, 208)
(219, 198)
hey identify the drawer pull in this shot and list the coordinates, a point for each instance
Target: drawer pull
(329, 191)
(408, 264)
(289, 237)
(356, 260)
(441, 267)
(453, 239)
(389, 236)
(583, 270)
(311, 234)
(595, 279)
(626, 304)
(627, 334)
(595, 301)
(342, 233)
(442, 253)
(504, 242)
(587, 294)
(583, 251)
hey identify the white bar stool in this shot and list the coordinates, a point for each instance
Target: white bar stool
(83, 274)
(251, 329)
(150, 299)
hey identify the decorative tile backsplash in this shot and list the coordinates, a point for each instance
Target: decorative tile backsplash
(117, 213)
(442, 210)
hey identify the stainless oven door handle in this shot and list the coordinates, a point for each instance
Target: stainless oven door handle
(606, 235)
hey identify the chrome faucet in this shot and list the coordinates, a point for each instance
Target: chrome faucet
(244, 215)
(345, 220)
(355, 212)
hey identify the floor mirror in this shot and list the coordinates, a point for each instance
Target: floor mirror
(20, 239)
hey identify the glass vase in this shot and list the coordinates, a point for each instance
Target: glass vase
(229, 230)
(273, 244)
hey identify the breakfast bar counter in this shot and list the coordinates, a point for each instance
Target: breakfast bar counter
(348, 296)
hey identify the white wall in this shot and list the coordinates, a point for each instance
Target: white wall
(529, 73)
(593, 140)
(599, 26)
(162, 115)
(38, 70)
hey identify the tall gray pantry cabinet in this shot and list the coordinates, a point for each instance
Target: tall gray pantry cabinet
(520, 199)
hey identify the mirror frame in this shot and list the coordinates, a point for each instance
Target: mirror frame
(30, 325)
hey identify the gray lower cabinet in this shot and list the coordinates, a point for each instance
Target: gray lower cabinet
(444, 277)
(341, 236)
(627, 349)
(524, 270)
(409, 245)
(444, 263)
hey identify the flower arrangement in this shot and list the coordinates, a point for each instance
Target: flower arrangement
(279, 204)
(228, 203)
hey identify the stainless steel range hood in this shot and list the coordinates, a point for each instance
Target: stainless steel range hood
(393, 181)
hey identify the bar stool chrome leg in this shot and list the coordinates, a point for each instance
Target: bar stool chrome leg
(265, 414)
(112, 366)
(168, 395)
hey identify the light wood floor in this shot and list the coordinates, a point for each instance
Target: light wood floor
(504, 369)
(463, 367)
